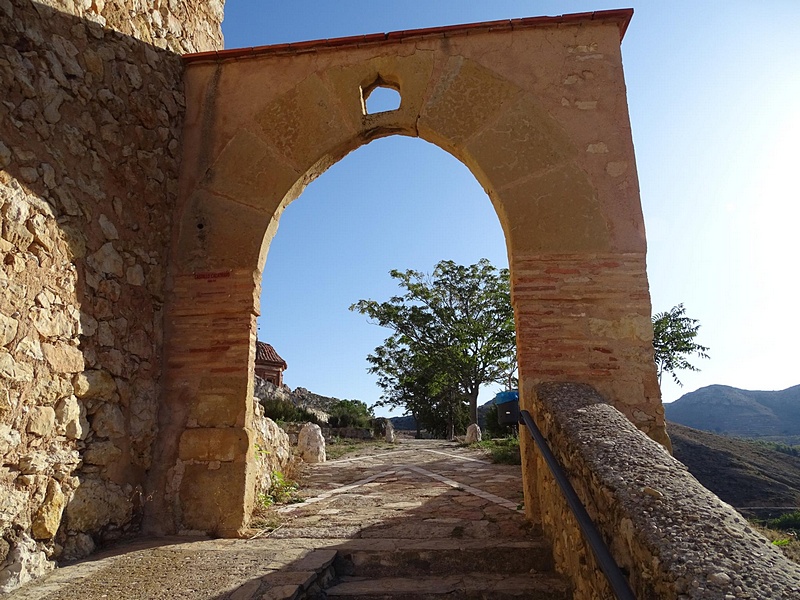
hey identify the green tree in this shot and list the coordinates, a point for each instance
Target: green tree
(674, 342)
(453, 333)
(421, 387)
(350, 413)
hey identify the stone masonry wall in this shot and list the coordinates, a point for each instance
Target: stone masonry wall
(672, 537)
(91, 109)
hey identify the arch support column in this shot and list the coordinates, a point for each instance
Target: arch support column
(206, 448)
(584, 318)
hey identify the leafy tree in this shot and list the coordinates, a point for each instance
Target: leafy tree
(453, 332)
(674, 342)
(421, 387)
(350, 413)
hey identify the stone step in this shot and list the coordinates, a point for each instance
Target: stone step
(414, 558)
(475, 585)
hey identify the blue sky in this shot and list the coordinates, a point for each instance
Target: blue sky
(714, 98)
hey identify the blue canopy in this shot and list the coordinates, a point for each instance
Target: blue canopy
(505, 397)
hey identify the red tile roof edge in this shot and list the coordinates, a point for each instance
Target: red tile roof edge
(266, 353)
(621, 15)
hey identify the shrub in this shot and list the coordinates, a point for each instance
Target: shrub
(788, 521)
(285, 411)
(504, 451)
(281, 491)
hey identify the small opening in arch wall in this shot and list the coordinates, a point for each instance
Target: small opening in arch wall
(382, 98)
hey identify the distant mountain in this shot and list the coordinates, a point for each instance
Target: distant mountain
(742, 413)
(743, 473)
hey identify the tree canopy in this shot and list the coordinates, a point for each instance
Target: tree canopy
(674, 342)
(453, 331)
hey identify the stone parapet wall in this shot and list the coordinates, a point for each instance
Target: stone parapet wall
(90, 128)
(670, 535)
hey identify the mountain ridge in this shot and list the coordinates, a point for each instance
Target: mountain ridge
(726, 410)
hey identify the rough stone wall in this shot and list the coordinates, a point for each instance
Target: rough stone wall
(669, 534)
(273, 449)
(90, 123)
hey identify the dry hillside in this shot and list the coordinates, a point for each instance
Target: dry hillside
(741, 472)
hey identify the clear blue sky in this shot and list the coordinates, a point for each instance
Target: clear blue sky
(714, 96)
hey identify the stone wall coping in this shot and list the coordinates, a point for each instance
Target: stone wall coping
(621, 16)
(662, 525)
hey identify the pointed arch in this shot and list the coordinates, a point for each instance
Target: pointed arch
(550, 144)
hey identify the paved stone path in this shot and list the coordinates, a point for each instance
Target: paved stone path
(425, 494)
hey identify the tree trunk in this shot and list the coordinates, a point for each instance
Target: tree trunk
(473, 406)
(451, 427)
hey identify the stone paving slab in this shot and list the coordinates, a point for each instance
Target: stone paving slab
(425, 495)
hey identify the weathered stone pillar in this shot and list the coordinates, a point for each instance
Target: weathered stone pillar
(585, 318)
(206, 479)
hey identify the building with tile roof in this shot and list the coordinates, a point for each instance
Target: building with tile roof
(269, 365)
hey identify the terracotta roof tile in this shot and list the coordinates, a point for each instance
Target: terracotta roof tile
(265, 353)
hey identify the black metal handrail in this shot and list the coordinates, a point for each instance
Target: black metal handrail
(616, 578)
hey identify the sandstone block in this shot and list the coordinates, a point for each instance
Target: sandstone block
(223, 444)
(108, 228)
(8, 329)
(33, 463)
(106, 260)
(17, 234)
(50, 389)
(95, 504)
(101, 453)
(30, 347)
(311, 444)
(41, 420)
(71, 418)
(108, 421)
(211, 499)
(24, 563)
(88, 324)
(77, 546)
(43, 233)
(48, 517)
(389, 435)
(14, 371)
(63, 358)
(105, 336)
(473, 434)
(53, 323)
(135, 275)
(95, 383)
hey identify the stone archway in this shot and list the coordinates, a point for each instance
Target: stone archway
(535, 108)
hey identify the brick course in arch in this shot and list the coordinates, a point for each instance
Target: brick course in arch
(536, 108)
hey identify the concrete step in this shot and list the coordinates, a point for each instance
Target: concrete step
(415, 558)
(475, 585)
